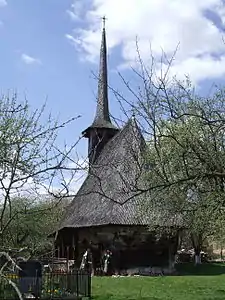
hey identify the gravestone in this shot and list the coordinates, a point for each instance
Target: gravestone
(30, 277)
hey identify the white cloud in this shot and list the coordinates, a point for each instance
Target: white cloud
(72, 179)
(3, 3)
(159, 24)
(20, 187)
(71, 39)
(75, 180)
(72, 15)
(76, 10)
(199, 68)
(29, 60)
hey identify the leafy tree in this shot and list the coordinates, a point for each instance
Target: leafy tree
(34, 220)
(31, 163)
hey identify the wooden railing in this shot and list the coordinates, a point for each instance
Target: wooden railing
(74, 284)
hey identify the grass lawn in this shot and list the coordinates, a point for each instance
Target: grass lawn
(204, 283)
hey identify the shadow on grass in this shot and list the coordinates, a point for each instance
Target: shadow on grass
(205, 269)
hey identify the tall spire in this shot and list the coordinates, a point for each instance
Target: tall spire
(102, 117)
(101, 129)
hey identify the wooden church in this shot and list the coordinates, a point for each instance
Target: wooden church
(105, 213)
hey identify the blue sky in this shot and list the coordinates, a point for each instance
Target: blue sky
(38, 31)
(49, 48)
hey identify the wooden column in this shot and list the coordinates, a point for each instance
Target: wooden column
(68, 252)
(76, 249)
(73, 247)
(63, 250)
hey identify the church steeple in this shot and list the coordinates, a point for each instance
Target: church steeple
(101, 130)
(102, 110)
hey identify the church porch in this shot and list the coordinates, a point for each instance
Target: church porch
(131, 246)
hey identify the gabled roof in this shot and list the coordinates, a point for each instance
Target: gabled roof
(111, 182)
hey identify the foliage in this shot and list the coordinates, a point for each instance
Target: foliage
(34, 221)
(188, 163)
(31, 163)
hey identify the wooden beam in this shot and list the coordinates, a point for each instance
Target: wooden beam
(63, 250)
(76, 248)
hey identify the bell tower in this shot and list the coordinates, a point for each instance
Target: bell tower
(102, 129)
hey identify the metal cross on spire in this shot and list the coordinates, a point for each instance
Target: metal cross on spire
(103, 21)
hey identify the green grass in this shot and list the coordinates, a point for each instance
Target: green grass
(204, 283)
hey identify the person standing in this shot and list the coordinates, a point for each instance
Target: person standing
(107, 265)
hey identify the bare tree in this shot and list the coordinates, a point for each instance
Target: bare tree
(184, 163)
(8, 263)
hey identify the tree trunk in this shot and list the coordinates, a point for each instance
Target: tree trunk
(171, 255)
(197, 245)
(171, 261)
(198, 259)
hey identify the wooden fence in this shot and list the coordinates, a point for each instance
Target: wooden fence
(73, 285)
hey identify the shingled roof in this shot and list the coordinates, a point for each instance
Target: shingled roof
(108, 195)
(102, 116)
